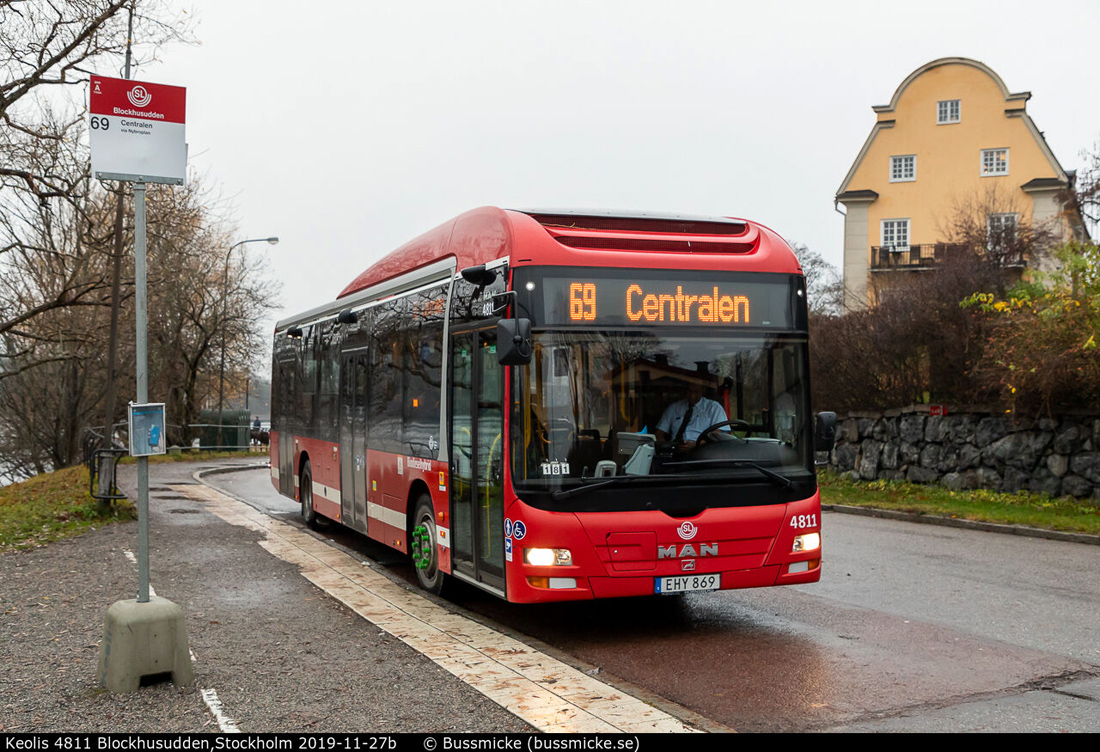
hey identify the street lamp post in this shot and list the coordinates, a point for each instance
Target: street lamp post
(225, 298)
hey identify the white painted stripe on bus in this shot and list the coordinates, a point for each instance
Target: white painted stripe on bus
(297, 481)
(326, 492)
(544, 692)
(275, 472)
(386, 515)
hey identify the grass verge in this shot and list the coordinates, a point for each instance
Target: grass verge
(52, 506)
(190, 456)
(56, 505)
(1032, 510)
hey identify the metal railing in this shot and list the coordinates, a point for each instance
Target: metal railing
(927, 255)
(888, 257)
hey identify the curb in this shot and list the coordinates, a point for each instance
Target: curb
(988, 527)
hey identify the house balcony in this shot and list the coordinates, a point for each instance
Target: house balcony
(886, 258)
(892, 257)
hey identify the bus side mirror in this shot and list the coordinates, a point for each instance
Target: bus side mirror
(479, 275)
(824, 432)
(514, 345)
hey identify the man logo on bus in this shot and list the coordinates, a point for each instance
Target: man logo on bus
(687, 551)
(688, 530)
(139, 96)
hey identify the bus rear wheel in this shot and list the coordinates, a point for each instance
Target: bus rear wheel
(424, 547)
(305, 493)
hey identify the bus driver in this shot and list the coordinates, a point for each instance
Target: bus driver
(685, 419)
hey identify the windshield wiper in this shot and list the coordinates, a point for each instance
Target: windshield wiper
(613, 480)
(770, 474)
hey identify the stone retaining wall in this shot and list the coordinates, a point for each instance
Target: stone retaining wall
(972, 449)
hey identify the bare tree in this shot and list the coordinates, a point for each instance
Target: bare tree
(55, 223)
(995, 227)
(918, 343)
(824, 286)
(188, 313)
(1084, 195)
(46, 48)
(52, 370)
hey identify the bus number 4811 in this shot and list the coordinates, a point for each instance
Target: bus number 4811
(800, 521)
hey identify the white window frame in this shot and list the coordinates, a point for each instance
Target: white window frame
(992, 153)
(944, 115)
(899, 175)
(896, 244)
(1000, 217)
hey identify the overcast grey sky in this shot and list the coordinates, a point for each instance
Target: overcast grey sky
(347, 127)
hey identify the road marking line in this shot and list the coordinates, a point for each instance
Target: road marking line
(209, 696)
(133, 560)
(548, 694)
(226, 724)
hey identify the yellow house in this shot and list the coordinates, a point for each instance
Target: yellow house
(953, 135)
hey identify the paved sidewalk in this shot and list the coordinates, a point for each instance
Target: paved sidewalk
(279, 654)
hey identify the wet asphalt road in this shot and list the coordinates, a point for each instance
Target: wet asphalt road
(913, 627)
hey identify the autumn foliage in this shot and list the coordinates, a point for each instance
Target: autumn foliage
(1041, 354)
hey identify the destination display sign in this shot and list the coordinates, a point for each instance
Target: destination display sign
(137, 130)
(665, 298)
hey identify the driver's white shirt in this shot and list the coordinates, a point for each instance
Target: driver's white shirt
(707, 412)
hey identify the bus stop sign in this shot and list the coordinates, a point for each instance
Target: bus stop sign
(137, 131)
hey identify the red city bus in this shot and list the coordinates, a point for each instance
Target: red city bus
(557, 405)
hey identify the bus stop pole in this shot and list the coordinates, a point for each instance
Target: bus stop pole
(145, 636)
(142, 388)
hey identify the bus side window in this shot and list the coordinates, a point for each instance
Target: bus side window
(307, 381)
(386, 377)
(328, 349)
(423, 368)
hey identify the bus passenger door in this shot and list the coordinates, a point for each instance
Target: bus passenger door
(288, 401)
(353, 445)
(477, 462)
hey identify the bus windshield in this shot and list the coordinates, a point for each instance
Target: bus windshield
(658, 408)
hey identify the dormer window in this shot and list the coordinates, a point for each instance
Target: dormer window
(948, 111)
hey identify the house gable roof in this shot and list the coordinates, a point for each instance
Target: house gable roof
(1021, 96)
(1016, 102)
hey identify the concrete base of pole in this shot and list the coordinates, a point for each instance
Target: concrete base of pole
(143, 639)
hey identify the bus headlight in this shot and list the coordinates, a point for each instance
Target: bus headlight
(807, 542)
(546, 557)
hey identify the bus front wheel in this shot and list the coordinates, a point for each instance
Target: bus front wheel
(424, 547)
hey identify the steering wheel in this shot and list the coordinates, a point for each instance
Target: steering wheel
(738, 424)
